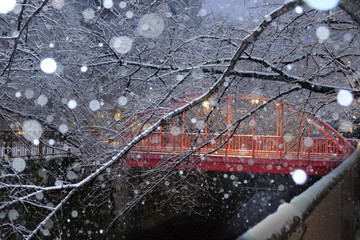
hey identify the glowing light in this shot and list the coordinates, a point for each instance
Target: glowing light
(202, 12)
(345, 98)
(63, 128)
(150, 25)
(122, 101)
(72, 104)
(7, 6)
(322, 32)
(94, 105)
(117, 116)
(108, 4)
(299, 10)
(129, 14)
(121, 44)
(88, 14)
(32, 130)
(206, 104)
(84, 68)
(48, 65)
(299, 176)
(323, 5)
(122, 4)
(255, 101)
(42, 100)
(18, 164)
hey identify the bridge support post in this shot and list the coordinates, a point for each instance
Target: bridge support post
(253, 137)
(8, 145)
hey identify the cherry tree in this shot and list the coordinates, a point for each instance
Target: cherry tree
(92, 79)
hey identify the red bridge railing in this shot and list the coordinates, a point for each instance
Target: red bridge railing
(248, 145)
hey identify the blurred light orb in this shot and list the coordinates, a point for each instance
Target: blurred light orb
(299, 10)
(150, 25)
(108, 4)
(345, 98)
(94, 105)
(84, 68)
(18, 164)
(122, 4)
(63, 128)
(72, 104)
(202, 12)
(36, 142)
(121, 44)
(58, 4)
(322, 33)
(32, 130)
(88, 14)
(7, 6)
(299, 176)
(129, 14)
(42, 100)
(48, 65)
(122, 101)
(323, 5)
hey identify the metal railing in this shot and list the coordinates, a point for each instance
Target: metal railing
(248, 145)
(13, 145)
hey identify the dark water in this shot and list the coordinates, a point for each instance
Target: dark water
(229, 217)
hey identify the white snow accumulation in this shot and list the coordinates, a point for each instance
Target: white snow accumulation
(283, 219)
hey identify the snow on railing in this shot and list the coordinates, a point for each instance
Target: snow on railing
(290, 216)
(247, 145)
(12, 145)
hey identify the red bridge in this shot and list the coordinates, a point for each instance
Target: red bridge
(232, 152)
(317, 148)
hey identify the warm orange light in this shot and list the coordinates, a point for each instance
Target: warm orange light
(117, 116)
(255, 101)
(206, 104)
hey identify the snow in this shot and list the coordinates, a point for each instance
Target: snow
(299, 10)
(7, 6)
(88, 14)
(122, 4)
(345, 98)
(63, 128)
(122, 101)
(29, 93)
(39, 195)
(84, 68)
(72, 104)
(108, 4)
(150, 25)
(48, 65)
(122, 44)
(300, 206)
(129, 14)
(322, 32)
(202, 12)
(58, 4)
(322, 4)
(32, 130)
(74, 213)
(13, 214)
(42, 100)
(94, 105)
(18, 164)
(299, 176)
